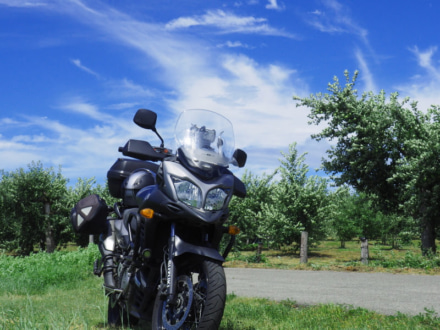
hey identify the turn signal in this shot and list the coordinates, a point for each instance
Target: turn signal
(233, 230)
(147, 213)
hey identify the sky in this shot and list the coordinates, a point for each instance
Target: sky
(74, 72)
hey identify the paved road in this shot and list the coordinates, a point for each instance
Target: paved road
(381, 292)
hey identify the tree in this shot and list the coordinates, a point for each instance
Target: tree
(244, 211)
(26, 193)
(386, 148)
(8, 227)
(296, 203)
(343, 214)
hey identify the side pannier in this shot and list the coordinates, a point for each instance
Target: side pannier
(89, 215)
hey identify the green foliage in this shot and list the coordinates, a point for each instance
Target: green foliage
(294, 204)
(410, 260)
(25, 194)
(384, 147)
(244, 211)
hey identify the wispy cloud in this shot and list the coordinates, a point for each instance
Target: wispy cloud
(227, 22)
(234, 44)
(23, 3)
(78, 64)
(335, 18)
(424, 87)
(365, 72)
(424, 59)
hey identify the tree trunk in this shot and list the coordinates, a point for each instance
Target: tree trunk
(428, 236)
(50, 241)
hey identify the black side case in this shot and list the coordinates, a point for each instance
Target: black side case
(89, 215)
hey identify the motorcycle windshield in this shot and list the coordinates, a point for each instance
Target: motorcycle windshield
(205, 137)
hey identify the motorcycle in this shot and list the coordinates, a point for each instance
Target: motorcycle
(160, 244)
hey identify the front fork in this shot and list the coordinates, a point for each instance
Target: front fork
(171, 267)
(171, 272)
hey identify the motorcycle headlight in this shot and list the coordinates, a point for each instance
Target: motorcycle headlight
(188, 193)
(215, 199)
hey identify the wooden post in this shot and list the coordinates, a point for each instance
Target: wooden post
(303, 252)
(50, 242)
(364, 251)
(91, 239)
(259, 250)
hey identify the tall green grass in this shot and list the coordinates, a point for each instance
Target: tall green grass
(37, 273)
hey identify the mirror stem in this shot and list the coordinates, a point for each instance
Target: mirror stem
(161, 140)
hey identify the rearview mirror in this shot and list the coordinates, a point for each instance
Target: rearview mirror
(146, 119)
(240, 157)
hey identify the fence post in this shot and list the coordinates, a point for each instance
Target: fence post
(50, 242)
(303, 251)
(364, 251)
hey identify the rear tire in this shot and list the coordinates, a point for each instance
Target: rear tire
(200, 303)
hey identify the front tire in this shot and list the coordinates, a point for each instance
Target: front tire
(200, 304)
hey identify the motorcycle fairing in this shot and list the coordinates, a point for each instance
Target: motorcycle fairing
(182, 247)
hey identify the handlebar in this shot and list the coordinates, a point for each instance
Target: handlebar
(144, 151)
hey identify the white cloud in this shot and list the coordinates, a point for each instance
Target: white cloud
(273, 4)
(234, 44)
(335, 18)
(228, 23)
(365, 72)
(78, 64)
(424, 87)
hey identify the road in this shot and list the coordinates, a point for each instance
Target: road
(381, 292)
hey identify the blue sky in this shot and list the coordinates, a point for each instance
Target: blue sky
(73, 72)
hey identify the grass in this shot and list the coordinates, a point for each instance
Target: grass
(250, 314)
(330, 256)
(59, 291)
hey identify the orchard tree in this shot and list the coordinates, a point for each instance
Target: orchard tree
(8, 224)
(295, 203)
(244, 211)
(35, 199)
(384, 147)
(343, 214)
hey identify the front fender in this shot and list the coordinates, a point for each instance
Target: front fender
(183, 247)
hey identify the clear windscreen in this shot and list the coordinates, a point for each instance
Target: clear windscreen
(205, 137)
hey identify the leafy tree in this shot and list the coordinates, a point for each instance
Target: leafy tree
(386, 148)
(25, 193)
(343, 214)
(244, 211)
(295, 203)
(8, 225)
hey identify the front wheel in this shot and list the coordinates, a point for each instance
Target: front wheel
(200, 301)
